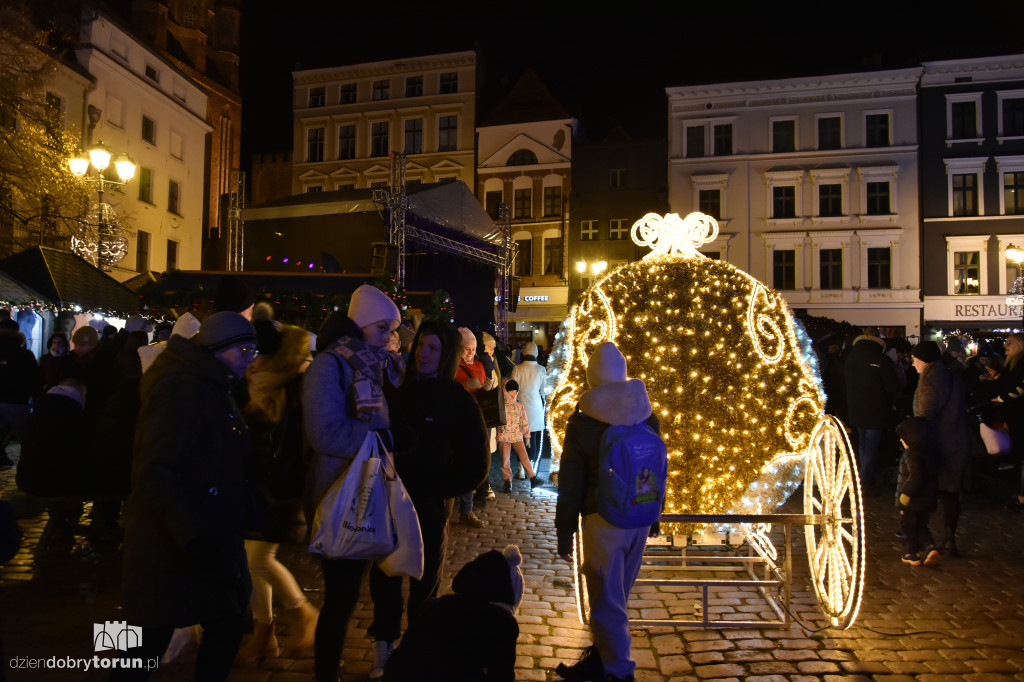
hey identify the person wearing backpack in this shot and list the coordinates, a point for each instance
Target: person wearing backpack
(612, 474)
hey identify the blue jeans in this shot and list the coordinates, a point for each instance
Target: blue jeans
(869, 443)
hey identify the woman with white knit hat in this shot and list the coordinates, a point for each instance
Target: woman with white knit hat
(343, 400)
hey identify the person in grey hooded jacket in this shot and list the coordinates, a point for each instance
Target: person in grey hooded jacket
(612, 554)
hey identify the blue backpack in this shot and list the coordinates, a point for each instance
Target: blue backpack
(632, 472)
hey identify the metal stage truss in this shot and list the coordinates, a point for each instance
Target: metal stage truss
(396, 201)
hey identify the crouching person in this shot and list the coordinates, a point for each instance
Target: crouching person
(469, 636)
(613, 429)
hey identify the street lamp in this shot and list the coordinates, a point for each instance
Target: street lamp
(101, 240)
(1015, 297)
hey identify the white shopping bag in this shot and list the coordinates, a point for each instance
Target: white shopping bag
(353, 521)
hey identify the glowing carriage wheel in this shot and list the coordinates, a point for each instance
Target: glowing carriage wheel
(835, 545)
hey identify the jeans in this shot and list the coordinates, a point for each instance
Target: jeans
(216, 655)
(869, 443)
(343, 581)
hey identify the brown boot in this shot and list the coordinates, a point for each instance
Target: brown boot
(262, 644)
(301, 628)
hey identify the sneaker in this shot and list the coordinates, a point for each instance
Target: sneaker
(588, 668)
(381, 654)
(913, 559)
(536, 481)
(470, 519)
(507, 488)
(933, 557)
(490, 492)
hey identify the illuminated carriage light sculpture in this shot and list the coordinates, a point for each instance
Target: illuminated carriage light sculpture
(734, 383)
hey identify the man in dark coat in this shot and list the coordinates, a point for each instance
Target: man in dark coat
(184, 557)
(871, 385)
(942, 400)
(20, 380)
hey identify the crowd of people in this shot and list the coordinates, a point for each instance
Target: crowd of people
(213, 441)
(936, 401)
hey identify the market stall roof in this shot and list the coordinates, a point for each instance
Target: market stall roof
(63, 277)
(13, 291)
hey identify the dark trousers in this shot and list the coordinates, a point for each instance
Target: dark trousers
(536, 444)
(216, 655)
(869, 445)
(387, 591)
(916, 533)
(343, 581)
(950, 503)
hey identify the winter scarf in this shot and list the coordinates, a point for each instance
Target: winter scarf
(368, 364)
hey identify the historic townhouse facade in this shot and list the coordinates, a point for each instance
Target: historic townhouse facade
(348, 120)
(525, 161)
(972, 182)
(815, 184)
(616, 181)
(144, 106)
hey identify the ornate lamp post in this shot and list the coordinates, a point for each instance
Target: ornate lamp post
(100, 239)
(1015, 297)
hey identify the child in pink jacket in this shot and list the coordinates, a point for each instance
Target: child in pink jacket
(512, 435)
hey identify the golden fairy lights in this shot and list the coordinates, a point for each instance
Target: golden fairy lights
(723, 365)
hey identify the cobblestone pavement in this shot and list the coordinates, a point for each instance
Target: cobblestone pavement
(960, 620)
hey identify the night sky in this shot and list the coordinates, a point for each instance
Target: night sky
(607, 67)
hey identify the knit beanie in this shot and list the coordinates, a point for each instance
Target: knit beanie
(530, 349)
(468, 339)
(85, 334)
(927, 352)
(232, 294)
(493, 577)
(225, 329)
(369, 304)
(606, 365)
(489, 341)
(268, 340)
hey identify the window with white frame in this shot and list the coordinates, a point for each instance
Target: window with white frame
(318, 96)
(829, 131)
(177, 146)
(709, 193)
(965, 185)
(830, 255)
(381, 90)
(346, 142)
(152, 73)
(879, 251)
(588, 230)
(1010, 271)
(522, 202)
(414, 86)
(552, 252)
(783, 135)
(114, 111)
(524, 258)
(967, 265)
(414, 136)
(174, 197)
(831, 195)
(447, 133)
(552, 200)
(784, 259)
(492, 198)
(148, 129)
(315, 144)
(878, 189)
(618, 228)
(347, 94)
(784, 196)
(617, 178)
(963, 117)
(877, 129)
(1011, 183)
(380, 132)
(708, 137)
(1011, 113)
(448, 83)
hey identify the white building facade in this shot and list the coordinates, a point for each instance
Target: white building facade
(144, 107)
(815, 185)
(347, 121)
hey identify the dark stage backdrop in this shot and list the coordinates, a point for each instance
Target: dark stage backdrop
(471, 285)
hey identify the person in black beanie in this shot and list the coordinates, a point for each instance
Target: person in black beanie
(941, 399)
(234, 295)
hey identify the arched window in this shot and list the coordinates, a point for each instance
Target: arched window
(523, 157)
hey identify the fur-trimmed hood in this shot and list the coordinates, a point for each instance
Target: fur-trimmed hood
(619, 403)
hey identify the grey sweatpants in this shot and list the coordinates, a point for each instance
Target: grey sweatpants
(611, 562)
